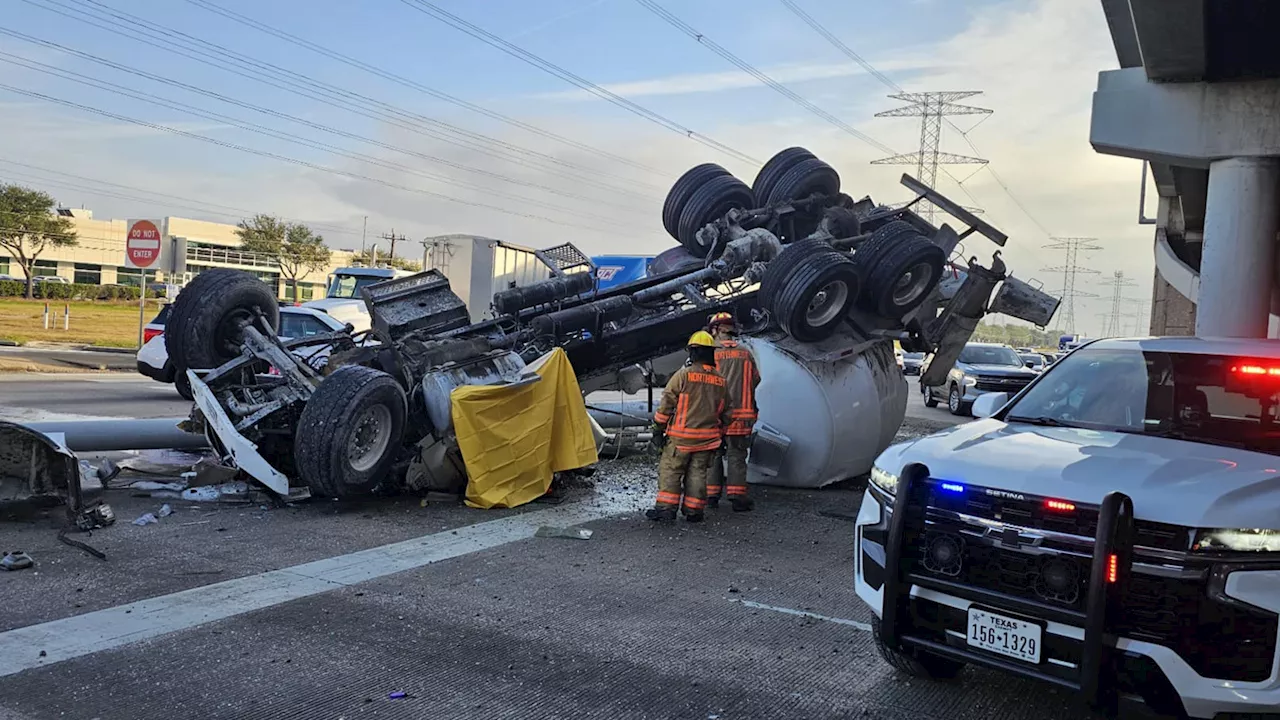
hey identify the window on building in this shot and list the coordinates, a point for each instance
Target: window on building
(129, 276)
(88, 274)
(4, 266)
(45, 268)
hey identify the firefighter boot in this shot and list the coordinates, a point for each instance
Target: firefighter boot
(741, 503)
(696, 516)
(661, 514)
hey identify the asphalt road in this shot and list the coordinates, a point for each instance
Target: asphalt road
(331, 610)
(32, 397)
(70, 358)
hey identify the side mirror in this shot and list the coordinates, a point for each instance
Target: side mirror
(987, 404)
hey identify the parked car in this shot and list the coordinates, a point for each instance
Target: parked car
(1113, 530)
(52, 279)
(295, 322)
(981, 368)
(912, 362)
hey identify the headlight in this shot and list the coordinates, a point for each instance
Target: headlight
(1243, 540)
(884, 479)
(968, 381)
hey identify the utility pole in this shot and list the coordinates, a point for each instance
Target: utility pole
(931, 107)
(393, 239)
(364, 230)
(1072, 246)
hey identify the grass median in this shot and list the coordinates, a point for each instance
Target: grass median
(103, 323)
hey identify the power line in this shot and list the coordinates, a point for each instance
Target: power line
(196, 205)
(269, 132)
(284, 158)
(223, 58)
(519, 53)
(1072, 247)
(401, 80)
(964, 134)
(932, 108)
(762, 77)
(292, 118)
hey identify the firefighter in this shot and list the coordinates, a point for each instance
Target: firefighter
(690, 423)
(738, 367)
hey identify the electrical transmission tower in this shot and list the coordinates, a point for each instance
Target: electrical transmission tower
(931, 107)
(1140, 326)
(1111, 327)
(393, 238)
(1072, 246)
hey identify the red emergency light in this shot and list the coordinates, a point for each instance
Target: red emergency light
(1113, 568)
(148, 333)
(1256, 370)
(1059, 505)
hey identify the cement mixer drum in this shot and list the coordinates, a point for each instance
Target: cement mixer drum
(826, 410)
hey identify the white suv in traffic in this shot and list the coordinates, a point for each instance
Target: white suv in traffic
(1113, 529)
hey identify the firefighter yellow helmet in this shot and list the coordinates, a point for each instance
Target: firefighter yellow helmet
(702, 338)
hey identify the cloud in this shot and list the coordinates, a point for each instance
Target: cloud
(690, 83)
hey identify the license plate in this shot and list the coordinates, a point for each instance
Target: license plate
(1004, 635)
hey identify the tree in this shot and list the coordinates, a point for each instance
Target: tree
(29, 226)
(297, 250)
(372, 257)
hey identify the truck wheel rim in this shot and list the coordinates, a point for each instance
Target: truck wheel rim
(369, 440)
(954, 399)
(911, 284)
(827, 303)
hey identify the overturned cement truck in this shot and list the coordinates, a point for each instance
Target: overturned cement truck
(822, 285)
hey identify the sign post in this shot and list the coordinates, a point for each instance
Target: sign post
(142, 248)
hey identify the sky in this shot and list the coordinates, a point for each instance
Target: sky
(333, 112)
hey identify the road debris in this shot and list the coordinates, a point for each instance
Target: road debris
(226, 492)
(16, 560)
(165, 511)
(569, 533)
(145, 519)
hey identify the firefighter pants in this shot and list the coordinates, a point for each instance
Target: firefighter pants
(684, 473)
(734, 454)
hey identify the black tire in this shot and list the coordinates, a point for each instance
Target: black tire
(901, 268)
(332, 422)
(805, 178)
(183, 386)
(203, 328)
(709, 203)
(682, 190)
(675, 259)
(781, 267)
(775, 168)
(929, 399)
(917, 664)
(817, 296)
(954, 404)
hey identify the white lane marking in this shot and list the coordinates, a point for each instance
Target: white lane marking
(802, 613)
(81, 635)
(121, 376)
(23, 416)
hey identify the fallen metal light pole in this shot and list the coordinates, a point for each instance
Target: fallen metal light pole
(105, 435)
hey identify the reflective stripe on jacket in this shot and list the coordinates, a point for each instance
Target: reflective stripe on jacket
(738, 367)
(694, 408)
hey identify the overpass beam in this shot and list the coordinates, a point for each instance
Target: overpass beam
(1242, 217)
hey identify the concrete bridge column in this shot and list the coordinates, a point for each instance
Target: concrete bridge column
(1242, 216)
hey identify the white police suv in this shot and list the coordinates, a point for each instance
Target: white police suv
(1113, 529)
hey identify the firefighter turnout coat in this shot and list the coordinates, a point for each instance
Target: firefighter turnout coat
(738, 367)
(695, 408)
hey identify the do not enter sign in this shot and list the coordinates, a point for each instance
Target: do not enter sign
(142, 245)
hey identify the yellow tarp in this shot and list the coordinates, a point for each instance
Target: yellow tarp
(513, 437)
